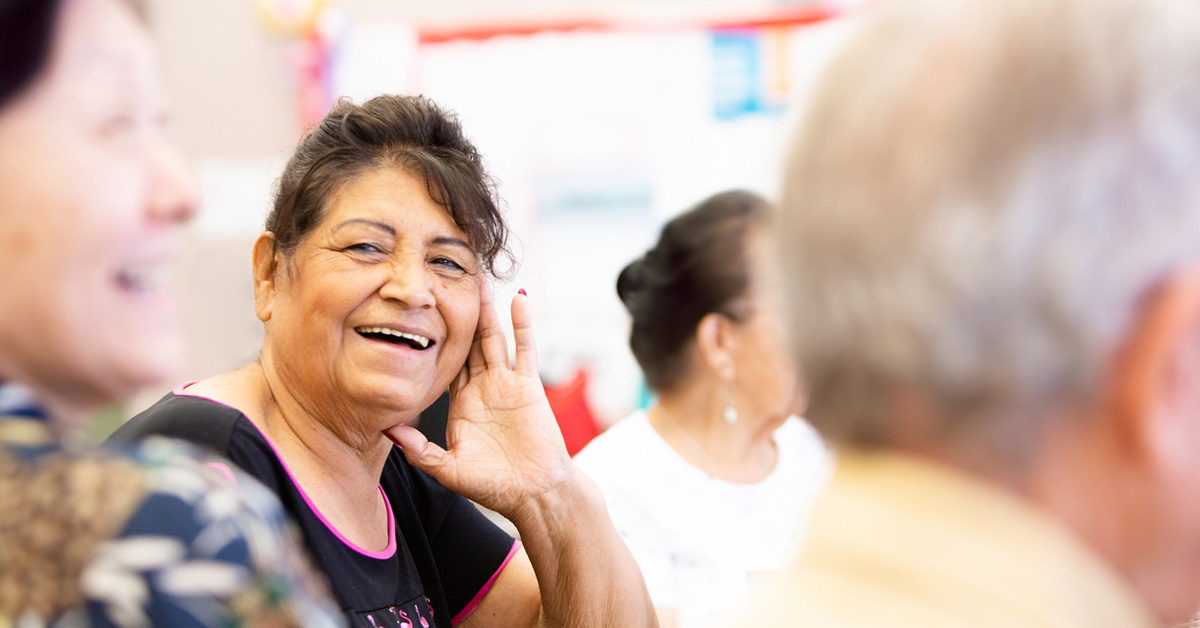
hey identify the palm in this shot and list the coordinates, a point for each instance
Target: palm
(503, 441)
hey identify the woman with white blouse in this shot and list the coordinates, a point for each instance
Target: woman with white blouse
(711, 484)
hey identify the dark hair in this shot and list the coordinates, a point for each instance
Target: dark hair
(698, 267)
(26, 33)
(411, 132)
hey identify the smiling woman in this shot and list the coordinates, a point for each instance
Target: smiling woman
(92, 193)
(371, 282)
(107, 237)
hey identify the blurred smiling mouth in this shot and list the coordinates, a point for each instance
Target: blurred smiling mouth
(396, 337)
(143, 278)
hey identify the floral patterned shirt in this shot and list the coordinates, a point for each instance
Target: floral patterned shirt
(151, 535)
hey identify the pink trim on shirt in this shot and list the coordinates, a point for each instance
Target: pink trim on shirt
(487, 586)
(387, 552)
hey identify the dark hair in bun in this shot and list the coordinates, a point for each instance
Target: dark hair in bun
(26, 32)
(698, 267)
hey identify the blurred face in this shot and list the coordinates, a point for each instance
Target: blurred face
(375, 312)
(91, 193)
(1165, 518)
(765, 381)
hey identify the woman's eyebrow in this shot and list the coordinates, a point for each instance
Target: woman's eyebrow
(454, 242)
(440, 240)
(366, 221)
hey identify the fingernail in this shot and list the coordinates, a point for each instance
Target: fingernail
(522, 292)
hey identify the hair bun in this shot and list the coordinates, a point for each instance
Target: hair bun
(630, 283)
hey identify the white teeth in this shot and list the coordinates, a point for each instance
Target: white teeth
(144, 278)
(421, 340)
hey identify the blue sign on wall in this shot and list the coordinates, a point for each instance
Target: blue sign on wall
(739, 75)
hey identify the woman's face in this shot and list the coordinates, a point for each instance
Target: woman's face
(91, 193)
(375, 311)
(766, 381)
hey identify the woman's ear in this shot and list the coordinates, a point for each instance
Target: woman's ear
(715, 345)
(1154, 380)
(266, 264)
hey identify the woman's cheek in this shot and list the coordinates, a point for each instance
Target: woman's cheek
(125, 209)
(460, 302)
(465, 322)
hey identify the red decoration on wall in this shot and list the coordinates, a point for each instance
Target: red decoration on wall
(575, 417)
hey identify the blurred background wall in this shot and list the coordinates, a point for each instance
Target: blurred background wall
(601, 119)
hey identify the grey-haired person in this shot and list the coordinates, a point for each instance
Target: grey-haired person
(991, 236)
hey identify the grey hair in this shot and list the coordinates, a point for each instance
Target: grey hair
(982, 195)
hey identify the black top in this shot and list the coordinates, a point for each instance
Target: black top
(443, 553)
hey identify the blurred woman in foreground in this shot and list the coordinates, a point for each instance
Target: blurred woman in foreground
(712, 482)
(91, 193)
(372, 284)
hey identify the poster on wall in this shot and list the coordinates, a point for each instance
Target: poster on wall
(750, 74)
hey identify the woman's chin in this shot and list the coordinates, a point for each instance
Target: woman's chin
(145, 361)
(397, 398)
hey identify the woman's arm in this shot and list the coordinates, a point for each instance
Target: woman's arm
(576, 571)
(506, 453)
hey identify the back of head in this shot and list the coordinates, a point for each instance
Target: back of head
(981, 195)
(698, 267)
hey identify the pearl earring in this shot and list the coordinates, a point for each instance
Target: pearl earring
(730, 412)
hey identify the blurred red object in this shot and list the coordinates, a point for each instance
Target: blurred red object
(576, 420)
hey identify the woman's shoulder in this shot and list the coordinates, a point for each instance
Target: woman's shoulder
(631, 459)
(187, 496)
(177, 471)
(798, 432)
(185, 416)
(804, 458)
(615, 443)
(174, 470)
(165, 498)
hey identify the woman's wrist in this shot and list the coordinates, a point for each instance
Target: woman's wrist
(561, 507)
(585, 574)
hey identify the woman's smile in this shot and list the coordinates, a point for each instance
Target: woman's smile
(399, 344)
(396, 337)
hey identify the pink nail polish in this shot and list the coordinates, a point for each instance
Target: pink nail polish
(522, 292)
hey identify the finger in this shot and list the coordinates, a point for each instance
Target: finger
(476, 363)
(527, 362)
(491, 335)
(421, 453)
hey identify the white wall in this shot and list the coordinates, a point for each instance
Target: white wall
(621, 120)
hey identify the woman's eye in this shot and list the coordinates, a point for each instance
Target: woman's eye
(364, 247)
(448, 263)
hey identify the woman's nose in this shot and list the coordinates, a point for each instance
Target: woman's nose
(410, 284)
(174, 194)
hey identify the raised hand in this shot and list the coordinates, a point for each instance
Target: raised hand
(504, 443)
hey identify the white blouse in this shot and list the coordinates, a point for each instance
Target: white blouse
(698, 539)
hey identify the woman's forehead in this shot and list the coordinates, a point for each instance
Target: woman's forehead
(389, 199)
(103, 36)
(100, 51)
